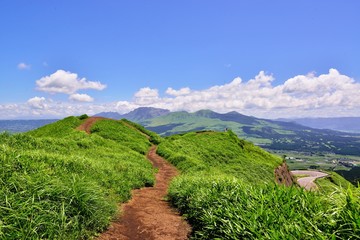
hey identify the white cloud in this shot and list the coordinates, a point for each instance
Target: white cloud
(146, 96)
(325, 95)
(180, 92)
(23, 66)
(124, 106)
(81, 97)
(37, 103)
(66, 82)
(303, 95)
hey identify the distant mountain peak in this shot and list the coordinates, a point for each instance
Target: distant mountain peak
(234, 112)
(113, 115)
(204, 110)
(149, 109)
(204, 113)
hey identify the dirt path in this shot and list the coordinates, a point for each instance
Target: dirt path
(147, 215)
(86, 126)
(308, 182)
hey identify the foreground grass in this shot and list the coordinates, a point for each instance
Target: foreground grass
(223, 196)
(59, 183)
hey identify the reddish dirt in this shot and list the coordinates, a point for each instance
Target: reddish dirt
(283, 175)
(147, 215)
(86, 126)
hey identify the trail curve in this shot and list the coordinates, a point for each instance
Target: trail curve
(308, 182)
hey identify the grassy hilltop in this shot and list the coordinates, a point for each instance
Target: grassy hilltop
(61, 183)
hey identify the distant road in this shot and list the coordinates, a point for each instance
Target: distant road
(308, 182)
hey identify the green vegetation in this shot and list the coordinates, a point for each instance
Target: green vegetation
(182, 122)
(221, 153)
(153, 137)
(271, 134)
(58, 129)
(123, 134)
(226, 191)
(332, 183)
(60, 183)
(84, 116)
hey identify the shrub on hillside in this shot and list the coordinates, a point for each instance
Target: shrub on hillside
(83, 117)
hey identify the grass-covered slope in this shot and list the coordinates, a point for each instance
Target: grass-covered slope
(227, 191)
(220, 153)
(60, 183)
(61, 128)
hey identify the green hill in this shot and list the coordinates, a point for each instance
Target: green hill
(61, 183)
(221, 153)
(227, 191)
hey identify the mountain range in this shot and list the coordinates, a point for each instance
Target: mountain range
(345, 124)
(137, 115)
(272, 134)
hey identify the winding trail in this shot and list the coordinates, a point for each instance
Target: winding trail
(86, 125)
(308, 182)
(147, 215)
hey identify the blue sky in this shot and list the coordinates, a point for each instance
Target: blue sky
(262, 58)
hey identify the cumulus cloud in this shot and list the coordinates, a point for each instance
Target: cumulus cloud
(81, 97)
(146, 96)
(37, 103)
(302, 95)
(23, 66)
(124, 106)
(309, 95)
(180, 92)
(66, 82)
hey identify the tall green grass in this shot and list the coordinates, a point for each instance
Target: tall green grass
(60, 183)
(60, 128)
(153, 137)
(221, 153)
(227, 191)
(121, 133)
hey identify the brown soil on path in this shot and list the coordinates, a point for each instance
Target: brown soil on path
(147, 216)
(86, 126)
